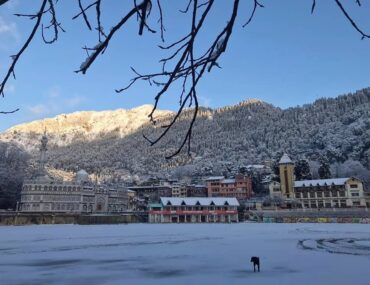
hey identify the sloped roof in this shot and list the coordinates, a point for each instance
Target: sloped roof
(320, 182)
(215, 178)
(228, 181)
(203, 201)
(285, 159)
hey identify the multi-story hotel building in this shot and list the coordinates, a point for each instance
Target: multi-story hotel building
(330, 193)
(45, 194)
(179, 190)
(197, 190)
(194, 210)
(320, 193)
(239, 187)
(48, 195)
(151, 193)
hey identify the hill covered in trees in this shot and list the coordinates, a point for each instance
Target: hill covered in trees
(223, 139)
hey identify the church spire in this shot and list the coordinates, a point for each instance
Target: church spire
(43, 149)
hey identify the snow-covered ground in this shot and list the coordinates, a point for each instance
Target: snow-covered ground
(185, 254)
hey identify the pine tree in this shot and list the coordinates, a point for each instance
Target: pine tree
(324, 169)
(302, 170)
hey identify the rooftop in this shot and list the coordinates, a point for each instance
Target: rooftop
(285, 159)
(321, 182)
(228, 181)
(202, 201)
(215, 178)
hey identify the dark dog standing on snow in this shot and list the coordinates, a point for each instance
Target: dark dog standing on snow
(256, 262)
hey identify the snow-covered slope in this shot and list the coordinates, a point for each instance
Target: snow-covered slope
(222, 140)
(89, 125)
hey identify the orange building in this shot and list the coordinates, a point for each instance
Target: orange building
(239, 187)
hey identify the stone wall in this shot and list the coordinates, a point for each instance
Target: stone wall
(45, 218)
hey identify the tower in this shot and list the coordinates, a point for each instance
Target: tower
(43, 149)
(286, 171)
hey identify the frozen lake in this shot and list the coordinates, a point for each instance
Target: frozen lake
(185, 254)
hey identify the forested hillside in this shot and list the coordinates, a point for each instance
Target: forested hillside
(223, 139)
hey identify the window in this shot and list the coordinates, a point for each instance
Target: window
(355, 194)
(353, 186)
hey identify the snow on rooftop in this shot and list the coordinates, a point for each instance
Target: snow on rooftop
(285, 159)
(256, 166)
(320, 182)
(228, 181)
(215, 178)
(203, 201)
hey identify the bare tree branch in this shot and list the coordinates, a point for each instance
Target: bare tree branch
(353, 23)
(255, 6)
(313, 6)
(182, 64)
(3, 2)
(99, 48)
(9, 112)
(16, 57)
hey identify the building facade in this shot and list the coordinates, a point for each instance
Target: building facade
(330, 193)
(151, 193)
(197, 190)
(239, 187)
(194, 210)
(45, 194)
(286, 172)
(319, 193)
(179, 190)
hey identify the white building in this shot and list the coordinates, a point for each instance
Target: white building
(319, 193)
(194, 210)
(45, 194)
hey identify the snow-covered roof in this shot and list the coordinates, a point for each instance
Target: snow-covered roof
(285, 159)
(200, 186)
(202, 201)
(228, 181)
(257, 166)
(82, 172)
(320, 182)
(215, 178)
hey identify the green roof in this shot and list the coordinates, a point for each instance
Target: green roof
(155, 205)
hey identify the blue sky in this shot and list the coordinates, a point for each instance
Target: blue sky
(286, 57)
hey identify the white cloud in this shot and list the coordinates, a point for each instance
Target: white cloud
(55, 103)
(39, 109)
(75, 101)
(54, 92)
(204, 101)
(9, 88)
(9, 34)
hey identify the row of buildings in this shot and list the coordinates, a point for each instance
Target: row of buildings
(46, 194)
(216, 200)
(345, 192)
(239, 187)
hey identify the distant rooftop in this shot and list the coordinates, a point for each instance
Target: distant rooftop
(321, 182)
(215, 178)
(202, 201)
(285, 159)
(228, 181)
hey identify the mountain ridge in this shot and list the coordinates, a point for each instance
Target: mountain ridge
(252, 131)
